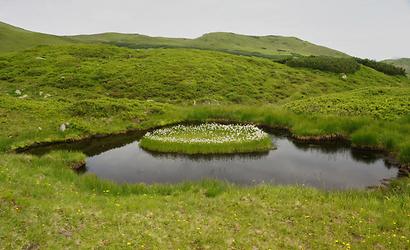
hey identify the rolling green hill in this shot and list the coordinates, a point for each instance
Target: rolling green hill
(13, 38)
(172, 75)
(228, 42)
(402, 62)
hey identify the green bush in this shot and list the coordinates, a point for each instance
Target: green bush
(96, 109)
(325, 63)
(388, 69)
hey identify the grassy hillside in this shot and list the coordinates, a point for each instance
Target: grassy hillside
(13, 38)
(403, 62)
(171, 76)
(380, 103)
(229, 42)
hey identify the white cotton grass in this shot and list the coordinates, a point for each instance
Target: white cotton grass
(209, 133)
(208, 138)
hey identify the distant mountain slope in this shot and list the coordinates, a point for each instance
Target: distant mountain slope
(264, 45)
(13, 38)
(402, 62)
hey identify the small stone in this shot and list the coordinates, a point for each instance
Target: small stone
(40, 58)
(63, 127)
(47, 95)
(23, 97)
(39, 128)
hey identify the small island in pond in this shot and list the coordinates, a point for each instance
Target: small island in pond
(209, 138)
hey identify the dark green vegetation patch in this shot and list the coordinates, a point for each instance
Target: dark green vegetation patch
(325, 63)
(402, 63)
(386, 68)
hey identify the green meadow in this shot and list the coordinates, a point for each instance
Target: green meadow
(100, 89)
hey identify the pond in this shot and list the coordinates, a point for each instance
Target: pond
(327, 166)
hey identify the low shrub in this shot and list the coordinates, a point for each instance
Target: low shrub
(388, 69)
(96, 109)
(325, 63)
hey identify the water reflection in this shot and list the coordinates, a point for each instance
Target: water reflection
(328, 166)
(218, 157)
(340, 148)
(90, 146)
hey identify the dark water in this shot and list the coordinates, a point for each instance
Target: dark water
(331, 166)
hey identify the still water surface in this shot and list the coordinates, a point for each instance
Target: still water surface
(330, 166)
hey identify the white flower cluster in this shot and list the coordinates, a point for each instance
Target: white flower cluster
(208, 133)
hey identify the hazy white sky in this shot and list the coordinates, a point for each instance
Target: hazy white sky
(367, 28)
